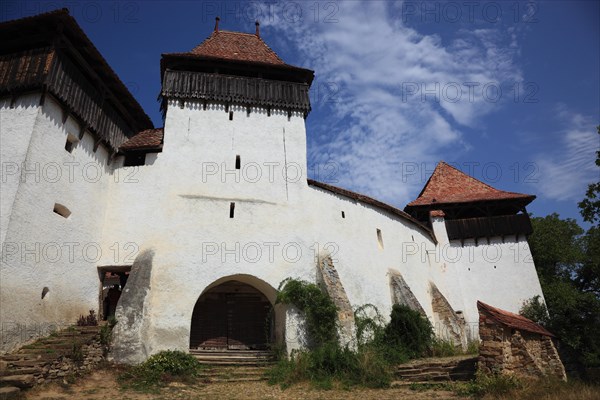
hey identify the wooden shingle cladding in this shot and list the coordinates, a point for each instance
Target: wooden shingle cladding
(472, 228)
(239, 90)
(235, 68)
(50, 53)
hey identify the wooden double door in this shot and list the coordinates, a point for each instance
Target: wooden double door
(231, 316)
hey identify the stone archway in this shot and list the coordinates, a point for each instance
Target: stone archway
(233, 314)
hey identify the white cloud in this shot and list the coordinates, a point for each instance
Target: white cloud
(566, 172)
(372, 56)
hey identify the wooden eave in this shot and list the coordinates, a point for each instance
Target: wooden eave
(193, 62)
(59, 30)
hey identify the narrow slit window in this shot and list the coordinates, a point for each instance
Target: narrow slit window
(238, 162)
(231, 115)
(61, 210)
(379, 239)
(70, 143)
(343, 214)
(231, 209)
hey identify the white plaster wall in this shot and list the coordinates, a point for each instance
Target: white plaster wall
(43, 249)
(181, 212)
(178, 205)
(16, 126)
(501, 274)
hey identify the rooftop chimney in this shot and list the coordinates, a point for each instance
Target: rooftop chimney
(217, 19)
(257, 28)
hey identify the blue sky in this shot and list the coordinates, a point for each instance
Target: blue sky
(507, 91)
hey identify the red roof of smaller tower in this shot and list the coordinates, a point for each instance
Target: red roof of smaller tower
(147, 139)
(237, 46)
(512, 320)
(449, 185)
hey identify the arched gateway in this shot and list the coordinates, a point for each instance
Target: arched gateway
(232, 315)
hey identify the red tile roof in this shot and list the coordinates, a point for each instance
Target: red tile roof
(512, 320)
(144, 140)
(371, 201)
(437, 213)
(237, 46)
(449, 185)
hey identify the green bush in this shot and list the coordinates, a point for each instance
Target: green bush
(76, 352)
(408, 333)
(88, 320)
(443, 348)
(163, 367)
(324, 364)
(473, 347)
(496, 384)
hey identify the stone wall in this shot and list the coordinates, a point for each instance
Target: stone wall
(508, 350)
(329, 280)
(65, 367)
(451, 326)
(401, 293)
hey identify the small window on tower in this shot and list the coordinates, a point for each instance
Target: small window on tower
(238, 162)
(70, 143)
(134, 159)
(231, 115)
(61, 210)
(231, 209)
(379, 239)
(343, 214)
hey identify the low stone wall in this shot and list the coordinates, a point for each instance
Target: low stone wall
(508, 350)
(65, 367)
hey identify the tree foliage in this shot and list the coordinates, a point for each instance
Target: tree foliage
(567, 260)
(590, 206)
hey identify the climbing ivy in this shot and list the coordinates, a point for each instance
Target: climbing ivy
(318, 308)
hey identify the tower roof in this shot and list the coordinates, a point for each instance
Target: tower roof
(237, 46)
(448, 185)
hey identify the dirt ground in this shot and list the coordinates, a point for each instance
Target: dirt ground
(102, 385)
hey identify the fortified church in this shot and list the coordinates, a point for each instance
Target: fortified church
(186, 232)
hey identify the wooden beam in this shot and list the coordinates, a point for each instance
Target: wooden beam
(65, 114)
(43, 96)
(97, 143)
(82, 128)
(13, 100)
(111, 157)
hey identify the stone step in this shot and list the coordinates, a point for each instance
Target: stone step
(28, 363)
(239, 379)
(240, 353)
(20, 381)
(226, 374)
(21, 371)
(235, 362)
(233, 357)
(9, 392)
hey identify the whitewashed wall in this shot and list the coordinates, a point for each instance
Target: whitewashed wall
(501, 273)
(178, 206)
(41, 248)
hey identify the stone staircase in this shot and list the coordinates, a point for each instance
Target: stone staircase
(233, 365)
(435, 370)
(36, 362)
